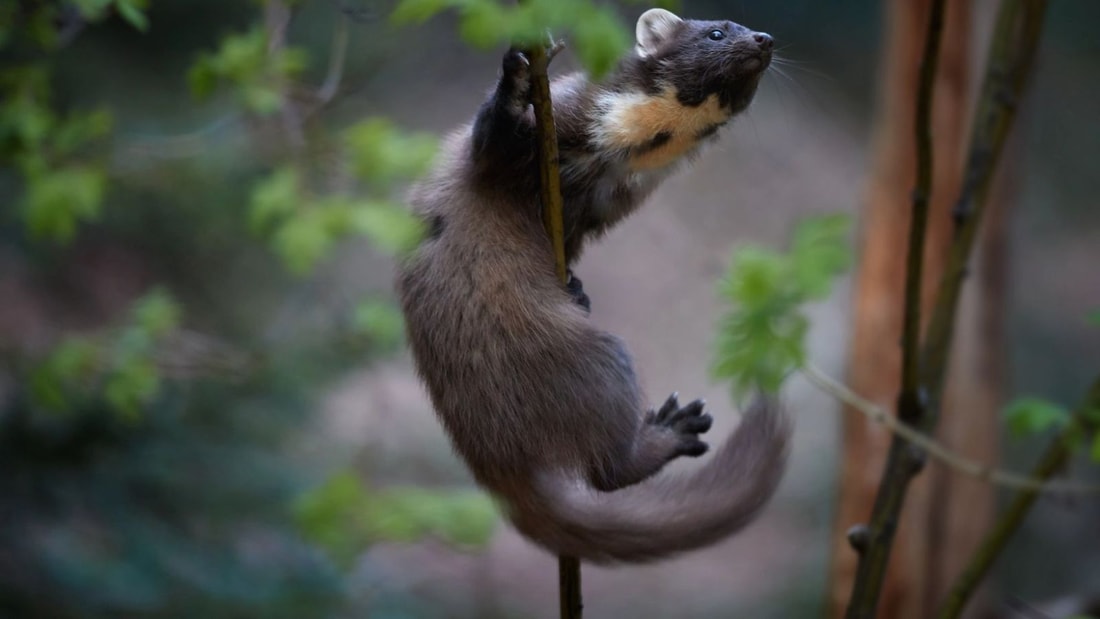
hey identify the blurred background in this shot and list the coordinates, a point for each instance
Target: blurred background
(206, 408)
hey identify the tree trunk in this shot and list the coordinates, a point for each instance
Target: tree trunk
(930, 539)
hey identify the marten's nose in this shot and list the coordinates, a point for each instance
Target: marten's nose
(764, 40)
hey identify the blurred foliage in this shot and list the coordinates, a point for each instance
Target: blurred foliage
(119, 368)
(182, 515)
(594, 31)
(1027, 416)
(1094, 318)
(152, 469)
(345, 515)
(258, 73)
(63, 188)
(303, 228)
(761, 339)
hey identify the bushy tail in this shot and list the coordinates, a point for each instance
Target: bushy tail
(667, 514)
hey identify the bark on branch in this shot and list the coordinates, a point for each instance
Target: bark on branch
(1013, 49)
(569, 568)
(1053, 460)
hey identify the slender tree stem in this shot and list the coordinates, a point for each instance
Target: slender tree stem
(871, 570)
(1012, 53)
(549, 175)
(1014, 43)
(569, 587)
(569, 568)
(1053, 460)
(910, 405)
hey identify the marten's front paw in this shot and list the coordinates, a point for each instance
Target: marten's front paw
(576, 290)
(687, 421)
(515, 80)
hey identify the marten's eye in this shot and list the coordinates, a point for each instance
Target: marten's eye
(716, 35)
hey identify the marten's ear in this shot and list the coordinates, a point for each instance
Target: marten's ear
(655, 26)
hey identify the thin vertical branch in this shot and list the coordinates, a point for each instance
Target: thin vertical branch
(910, 405)
(875, 555)
(547, 136)
(569, 568)
(1053, 460)
(569, 587)
(1012, 53)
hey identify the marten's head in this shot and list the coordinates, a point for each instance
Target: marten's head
(700, 58)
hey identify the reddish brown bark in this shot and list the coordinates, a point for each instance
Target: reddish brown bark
(875, 357)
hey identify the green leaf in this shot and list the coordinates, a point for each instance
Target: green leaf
(78, 129)
(303, 241)
(1027, 416)
(380, 321)
(409, 514)
(257, 76)
(389, 227)
(73, 362)
(202, 79)
(1093, 318)
(346, 517)
(1094, 450)
(92, 10)
(381, 153)
(600, 40)
(418, 11)
(820, 253)
(274, 199)
(57, 200)
(761, 338)
(156, 313)
(132, 386)
(133, 11)
(486, 24)
(262, 99)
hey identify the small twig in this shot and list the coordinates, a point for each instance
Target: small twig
(937, 450)
(902, 464)
(1053, 460)
(336, 61)
(911, 403)
(277, 16)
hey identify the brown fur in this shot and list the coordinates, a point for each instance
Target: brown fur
(543, 407)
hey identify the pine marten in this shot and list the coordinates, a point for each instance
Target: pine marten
(544, 407)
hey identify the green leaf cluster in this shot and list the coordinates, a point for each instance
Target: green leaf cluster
(346, 516)
(380, 323)
(257, 74)
(61, 189)
(119, 366)
(36, 22)
(1093, 318)
(382, 154)
(303, 228)
(1028, 416)
(761, 338)
(133, 11)
(594, 31)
